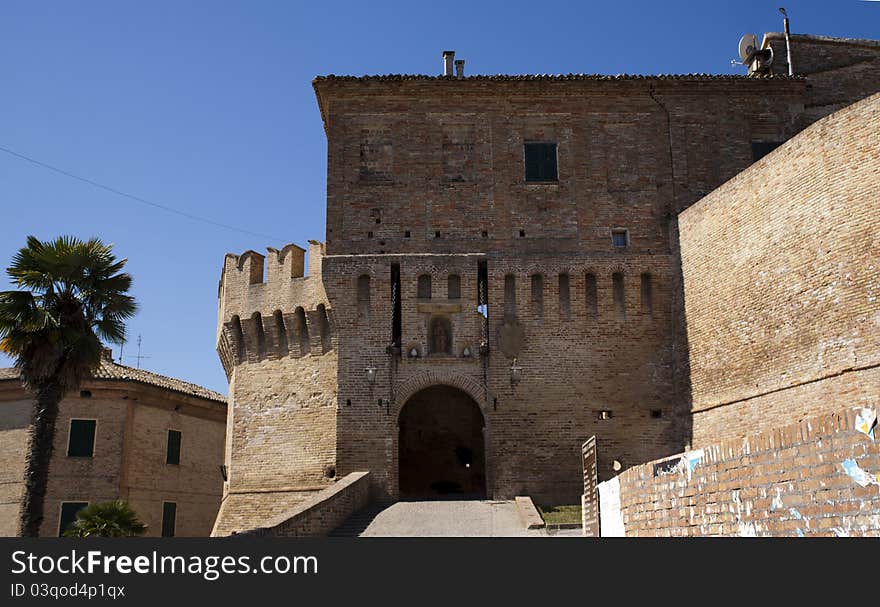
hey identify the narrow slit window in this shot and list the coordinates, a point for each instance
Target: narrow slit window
(363, 297)
(592, 298)
(510, 297)
(647, 295)
(424, 289)
(564, 297)
(619, 295)
(453, 287)
(538, 295)
(396, 307)
(483, 301)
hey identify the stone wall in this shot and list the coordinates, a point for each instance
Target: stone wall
(813, 478)
(782, 281)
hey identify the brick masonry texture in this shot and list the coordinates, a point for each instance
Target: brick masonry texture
(839, 71)
(426, 176)
(322, 512)
(133, 419)
(782, 281)
(790, 481)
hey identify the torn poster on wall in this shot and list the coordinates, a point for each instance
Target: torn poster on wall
(860, 476)
(866, 419)
(610, 516)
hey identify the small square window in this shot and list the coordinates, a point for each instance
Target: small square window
(81, 441)
(541, 161)
(605, 414)
(169, 518)
(172, 453)
(68, 515)
(620, 238)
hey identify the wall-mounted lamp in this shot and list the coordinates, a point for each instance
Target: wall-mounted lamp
(224, 472)
(466, 352)
(413, 352)
(515, 373)
(370, 373)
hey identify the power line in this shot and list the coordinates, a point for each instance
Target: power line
(136, 198)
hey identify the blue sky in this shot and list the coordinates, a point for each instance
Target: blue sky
(207, 107)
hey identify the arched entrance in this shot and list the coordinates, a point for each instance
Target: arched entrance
(441, 450)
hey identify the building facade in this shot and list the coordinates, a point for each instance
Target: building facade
(153, 441)
(501, 279)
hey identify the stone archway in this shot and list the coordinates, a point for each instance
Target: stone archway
(441, 445)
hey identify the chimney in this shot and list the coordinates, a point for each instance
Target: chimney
(459, 68)
(106, 354)
(448, 57)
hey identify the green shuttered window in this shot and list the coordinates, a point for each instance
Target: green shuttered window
(540, 159)
(81, 442)
(169, 518)
(172, 454)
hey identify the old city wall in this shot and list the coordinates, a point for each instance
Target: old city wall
(782, 282)
(277, 342)
(429, 175)
(817, 477)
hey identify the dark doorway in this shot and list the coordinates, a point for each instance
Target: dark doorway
(441, 451)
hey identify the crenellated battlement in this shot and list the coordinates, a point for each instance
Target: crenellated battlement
(269, 309)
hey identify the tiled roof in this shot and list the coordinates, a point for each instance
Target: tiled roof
(551, 77)
(112, 371)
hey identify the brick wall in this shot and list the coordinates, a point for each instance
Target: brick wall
(797, 480)
(782, 281)
(839, 71)
(443, 189)
(15, 417)
(322, 512)
(129, 455)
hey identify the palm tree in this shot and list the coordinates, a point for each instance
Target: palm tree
(73, 295)
(109, 519)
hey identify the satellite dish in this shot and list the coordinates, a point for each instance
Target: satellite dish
(748, 44)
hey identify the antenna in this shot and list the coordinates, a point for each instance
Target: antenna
(139, 356)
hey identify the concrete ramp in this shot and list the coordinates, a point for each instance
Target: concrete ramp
(443, 518)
